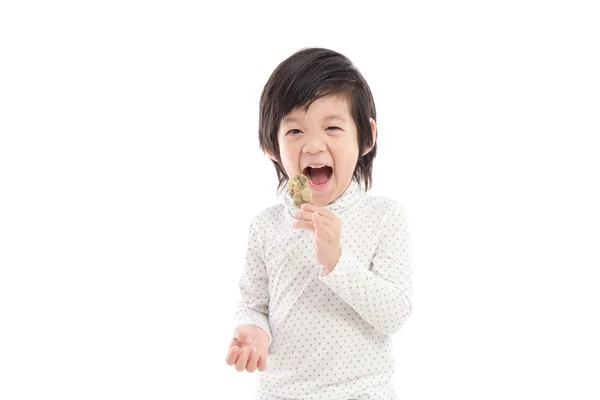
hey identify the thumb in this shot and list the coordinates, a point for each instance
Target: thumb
(243, 336)
(317, 221)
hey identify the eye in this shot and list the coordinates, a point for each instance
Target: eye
(294, 131)
(333, 128)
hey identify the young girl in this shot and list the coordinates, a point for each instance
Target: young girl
(324, 286)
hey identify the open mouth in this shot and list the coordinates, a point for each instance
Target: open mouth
(318, 176)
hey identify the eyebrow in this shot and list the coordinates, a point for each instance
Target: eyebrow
(335, 116)
(290, 119)
(327, 118)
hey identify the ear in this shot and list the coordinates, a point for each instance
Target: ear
(374, 133)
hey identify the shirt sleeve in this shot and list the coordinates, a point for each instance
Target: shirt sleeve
(253, 308)
(382, 293)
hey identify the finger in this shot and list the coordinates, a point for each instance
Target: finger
(320, 209)
(308, 225)
(252, 360)
(262, 362)
(308, 215)
(242, 336)
(303, 215)
(317, 222)
(232, 355)
(242, 360)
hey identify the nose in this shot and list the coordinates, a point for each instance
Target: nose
(314, 145)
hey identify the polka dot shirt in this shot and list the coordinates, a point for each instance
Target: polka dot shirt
(330, 334)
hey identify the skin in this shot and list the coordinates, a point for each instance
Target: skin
(309, 137)
(248, 349)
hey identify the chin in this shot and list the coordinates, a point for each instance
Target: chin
(320, 203)
(322, 199)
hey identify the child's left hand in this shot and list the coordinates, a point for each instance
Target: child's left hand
(327, 229)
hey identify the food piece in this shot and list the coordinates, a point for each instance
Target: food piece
(297, 183)
(300, 193)
(302, 197)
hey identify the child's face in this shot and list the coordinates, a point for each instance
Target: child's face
(324, 134)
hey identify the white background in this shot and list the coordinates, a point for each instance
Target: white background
(125, 125)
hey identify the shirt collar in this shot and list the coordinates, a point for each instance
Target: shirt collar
(351, 195)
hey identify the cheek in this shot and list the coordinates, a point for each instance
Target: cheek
(347, 159)
(288, 158)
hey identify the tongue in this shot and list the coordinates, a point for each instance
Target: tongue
(318, 176)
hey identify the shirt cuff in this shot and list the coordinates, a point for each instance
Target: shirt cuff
(246, 320)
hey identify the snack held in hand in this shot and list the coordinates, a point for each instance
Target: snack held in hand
(299, 189)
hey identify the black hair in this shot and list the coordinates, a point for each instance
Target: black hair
(304, 77)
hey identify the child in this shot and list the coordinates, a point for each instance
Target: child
(324, 286)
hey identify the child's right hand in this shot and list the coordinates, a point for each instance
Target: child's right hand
(241, 354)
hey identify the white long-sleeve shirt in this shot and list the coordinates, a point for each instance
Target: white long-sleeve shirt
(330, 334)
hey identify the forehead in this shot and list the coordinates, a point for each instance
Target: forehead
(335, 106)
